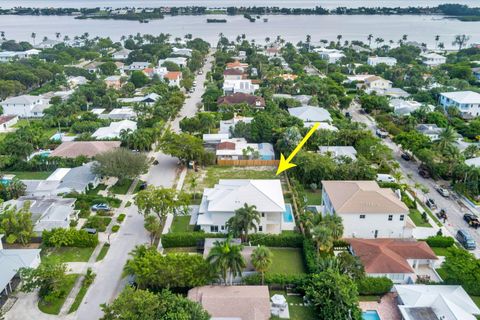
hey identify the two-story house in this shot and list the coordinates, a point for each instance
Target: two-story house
(220, 202)
(389, 61)
(25, 106)
(367, 210)
(243, 86)
(233, 74)
(173, 78)
(376, 82)
(467, 102)
(433, 59)
(121, 54)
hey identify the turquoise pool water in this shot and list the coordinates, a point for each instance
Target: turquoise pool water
(370, 315)
(57, 136)
(288, 215)
(45, 153)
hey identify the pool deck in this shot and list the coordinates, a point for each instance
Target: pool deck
(387, 308)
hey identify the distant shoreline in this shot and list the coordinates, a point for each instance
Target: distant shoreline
(455, 11)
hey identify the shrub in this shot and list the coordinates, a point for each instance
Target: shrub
(97, 222)
(279, 279)
(292, 240)
(408, 202)
(186, 239)
(115, 228)
(374, 286)
(440, 241)
(121, 217)
(309, 256)
(60, 237)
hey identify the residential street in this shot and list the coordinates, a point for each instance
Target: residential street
(454, 207)
(164, 173)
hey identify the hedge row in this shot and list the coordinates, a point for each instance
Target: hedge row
(60, 237)
(374, 286)
(186, 239)
(440, 241)
(191, 239)
(278, 279)
(310, 256)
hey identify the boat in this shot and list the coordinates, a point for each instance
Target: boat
(265, 19)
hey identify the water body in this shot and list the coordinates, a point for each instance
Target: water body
(291, 28)
(226, 3)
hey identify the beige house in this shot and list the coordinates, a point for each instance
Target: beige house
(233, 302)
(367, 210)
(113, 82)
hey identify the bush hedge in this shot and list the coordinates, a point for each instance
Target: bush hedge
(60, 237)
(290, 239)
(309, 256)
(115, 228)
(186, 239)
(121, 217)
(440, 241)
(97, 222)
(374, 286)
(279, 279)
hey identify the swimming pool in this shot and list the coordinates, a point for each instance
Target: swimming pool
(57, 136)
(288, 215)
(370, 315)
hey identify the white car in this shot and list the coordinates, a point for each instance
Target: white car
(444, 192)
(385, 178)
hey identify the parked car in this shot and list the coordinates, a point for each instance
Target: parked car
(405, 156)
(143, 186)
(101, 206)
(348, 115)
(444, 192)
(464, 237)
(90, 230)
(431, 204)
(472, 220)
(385, 178)
(155, 162)
(381, 134)
(442, 214)
(423, 173)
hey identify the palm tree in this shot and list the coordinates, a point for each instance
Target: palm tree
(322, 235)
(370, 38)
(378, 41)
(227, 259)
(404, 37)
(339, 37)
(244, 220)
(33, 36)
(334, 223)
(193, 185)
(2, 35)
(57, 35)
(460, 40)
(262, 260)
(471, 151)
(446, 138)
(437, 38)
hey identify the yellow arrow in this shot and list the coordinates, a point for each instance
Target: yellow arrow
(285, 163)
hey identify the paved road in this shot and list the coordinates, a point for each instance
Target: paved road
(453, 206)
(164, 173)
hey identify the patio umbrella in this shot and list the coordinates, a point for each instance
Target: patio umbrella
(279, 299)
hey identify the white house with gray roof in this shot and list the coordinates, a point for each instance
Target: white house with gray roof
(220, 202)
(467, 102)
(12, 260)
(310, 114)
(179, 61)
(25, 106)
(339, 152)
(367, 211)
(430, 130)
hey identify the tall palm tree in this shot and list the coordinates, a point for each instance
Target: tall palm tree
(33, 36)
(334, 223)
(227, 259)
(262, 260)
(446, 138)
(437, 38)
(245, 219)
(322, 235)
(370, 38)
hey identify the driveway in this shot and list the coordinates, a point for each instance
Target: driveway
(452, 205)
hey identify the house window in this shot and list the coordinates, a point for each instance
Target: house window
(213, 228)
(263, 214)
(390, 217)
(362, 216)
(260, 228)
(402, 217)
(223, 228)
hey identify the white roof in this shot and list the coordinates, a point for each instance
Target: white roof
(473, 162)
(112, 78)
(448, 302)
(310, 114)
(227, 124)
(379, 59)
(432, 55)
(463, 96)
(339, 151)
(229, 195)
(114, 130)
(215, 136)
(11, 260)
(97, 110)
(23, 99)
(322, 126)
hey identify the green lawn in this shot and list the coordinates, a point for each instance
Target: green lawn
(368, 298)
(295, 307)
(30, 175)
(54, 305)
(314, 198)
(439, 251)
(476, 299)
(67, 254)
(80, 295)
(181, 250)
(181, 224)
(287, 260)
(94, 191)
(442, 273)
(416, 217)
(103, 252)
(121, 187)
(434, 217)
(138, 185)
(208, 177)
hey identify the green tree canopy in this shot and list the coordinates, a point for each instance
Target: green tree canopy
(121, 163)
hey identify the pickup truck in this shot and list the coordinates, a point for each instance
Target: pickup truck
(381, 133)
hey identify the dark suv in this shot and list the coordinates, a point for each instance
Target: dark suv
(472, 220)
(466, 240)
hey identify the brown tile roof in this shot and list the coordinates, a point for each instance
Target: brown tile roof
(362, 197)
(242, 302)
(232, 72)
(226, 145)
(240, 97)
(173, 75)
(73, 149)
(236, 64)
(389, 255)
(4, 119)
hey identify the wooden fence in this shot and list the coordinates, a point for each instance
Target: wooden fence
(248, 163)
